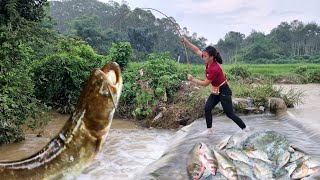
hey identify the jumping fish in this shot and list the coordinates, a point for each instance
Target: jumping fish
(81, 137)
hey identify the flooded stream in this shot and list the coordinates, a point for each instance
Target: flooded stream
(129, 149)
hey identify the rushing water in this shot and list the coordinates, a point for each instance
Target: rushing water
(307, 113)
(129, 149)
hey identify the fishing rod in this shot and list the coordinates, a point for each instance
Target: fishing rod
(173, 23)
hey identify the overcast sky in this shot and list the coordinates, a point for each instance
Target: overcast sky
(212, 19)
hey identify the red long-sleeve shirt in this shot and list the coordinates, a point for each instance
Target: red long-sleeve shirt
(215, 74)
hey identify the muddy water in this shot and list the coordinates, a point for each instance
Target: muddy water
(307, 113)
(129, 149)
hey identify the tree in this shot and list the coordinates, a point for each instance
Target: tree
(142, 39)
(257, 48)
(19, 20)
(14, 13)
(100, 39)
(230, 45)
(282, 36)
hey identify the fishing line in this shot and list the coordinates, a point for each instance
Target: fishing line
(173, 23)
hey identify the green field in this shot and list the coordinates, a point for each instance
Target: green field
(256, 69)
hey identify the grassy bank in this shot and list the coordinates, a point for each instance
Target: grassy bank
(257, 69)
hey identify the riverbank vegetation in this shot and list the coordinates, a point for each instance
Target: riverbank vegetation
(45, 62)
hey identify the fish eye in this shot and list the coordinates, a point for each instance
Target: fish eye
(105, 93)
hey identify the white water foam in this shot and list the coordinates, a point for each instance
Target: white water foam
(127, 152)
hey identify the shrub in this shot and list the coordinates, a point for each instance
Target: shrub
(261, 93)
(10, 132)
(301, 70)
(140, 94)
(18, 104)
(240, 71)
(314, 76)
(120, 53)
(60, 77)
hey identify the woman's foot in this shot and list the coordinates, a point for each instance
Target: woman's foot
(209, 131)
(247, 129)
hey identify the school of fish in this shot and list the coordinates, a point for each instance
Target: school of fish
(260, 155)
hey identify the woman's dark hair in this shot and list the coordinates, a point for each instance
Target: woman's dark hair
(212, 51)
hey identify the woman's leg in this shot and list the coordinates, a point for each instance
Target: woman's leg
(211, 102)
(226, 103)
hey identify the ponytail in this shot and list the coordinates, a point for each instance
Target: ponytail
(212, 51)
(218, 57)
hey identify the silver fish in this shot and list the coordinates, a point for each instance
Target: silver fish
(303, 171)
(262, 170)
(267, 140)
(208, 159)
(237, 154)
(296, 155)
(283, 159)
(226, 167)
(244, 169)
(224, 142)
(258, 154)
(195, 167)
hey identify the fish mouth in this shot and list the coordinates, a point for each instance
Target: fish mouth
(110, 74)
(100, 97)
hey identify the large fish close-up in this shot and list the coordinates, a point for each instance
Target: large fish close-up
(81, 138)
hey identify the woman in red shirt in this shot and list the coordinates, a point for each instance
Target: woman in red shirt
(220, 89)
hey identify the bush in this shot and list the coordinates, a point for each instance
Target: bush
(140, 94)
(240, 71)
(120, 53)
(60, 77)
(18, 104)
(314, 76)
(301, 70)
(261, 93)
(10, 133)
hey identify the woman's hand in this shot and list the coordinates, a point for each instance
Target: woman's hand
(190, 77)
(183, 39)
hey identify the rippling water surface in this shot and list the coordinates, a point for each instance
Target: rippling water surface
(129, 149)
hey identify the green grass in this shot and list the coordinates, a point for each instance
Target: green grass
(255, 69)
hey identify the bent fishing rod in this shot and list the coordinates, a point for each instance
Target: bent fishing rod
(173, 23)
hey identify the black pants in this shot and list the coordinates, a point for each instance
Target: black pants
(225, 98)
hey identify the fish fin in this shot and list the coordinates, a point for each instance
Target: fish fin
(297, 149)
(98, 144)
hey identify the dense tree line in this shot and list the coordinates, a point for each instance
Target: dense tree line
(101, 23)
(287, 43)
